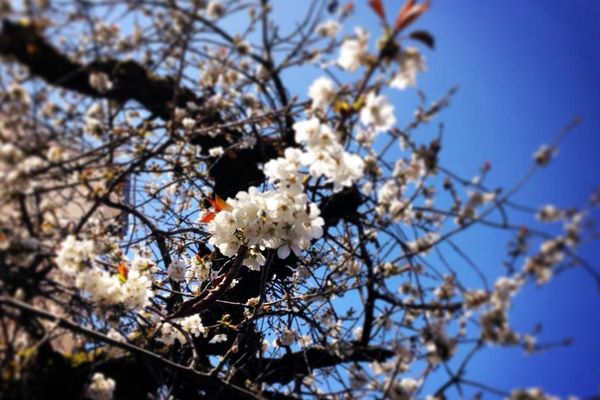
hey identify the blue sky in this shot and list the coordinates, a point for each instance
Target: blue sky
(525, 69)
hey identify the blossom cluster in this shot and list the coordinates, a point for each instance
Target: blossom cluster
(354, 53)
(274, 219)
(129, 285)
(324, 155)
(494, 321)
(554, 250)
(171, 333)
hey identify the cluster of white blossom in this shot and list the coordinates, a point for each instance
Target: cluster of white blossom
(171, 333)
(215, 9)
(198, 270)
(411, 62)
(274, 219)
(469, 211)
(353, 52)
(553, 251)
(549, 213)
(324, 155)
(389, 201)
(322, 92)
(130, 286)
(378, 113)
(423, 243)
(113, 289)
(404, 389)
(494, 321)
(93, 119)
(74, 254)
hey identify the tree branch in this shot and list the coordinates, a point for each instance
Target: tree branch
(131, 81)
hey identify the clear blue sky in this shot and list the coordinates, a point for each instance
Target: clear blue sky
(524, 69)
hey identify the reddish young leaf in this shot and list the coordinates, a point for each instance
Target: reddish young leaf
(122, 272)
(207, 216)
(377, 6)
(409, 13)
(405, 9)
(219, 204)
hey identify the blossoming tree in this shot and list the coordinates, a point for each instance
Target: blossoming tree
(177, 223)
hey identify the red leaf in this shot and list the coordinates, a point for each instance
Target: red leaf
(219, 204)
(207, 217)
(122, 272)
(405, 9)
(409, 13)
(377, 6)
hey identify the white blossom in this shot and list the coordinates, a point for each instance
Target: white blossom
(328, 28)
(285, 173)
(378, 113)
(216, 151)
(215, 9)
(544, 155)
(218, 338)
(531, 394)
(100, 388)
(325, 156)
(188, 123)
(404, 389)
(100, 81)
(321, 92)
(74, 253)
(315, 135)
(198, 270)
(549, 213)
(424, 243)
(271, 219)
(286, 338)
(411, 62)
(354, 51)
(76, 259)
(193, 325)
(176, 270)
(169, 335)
